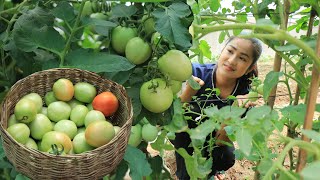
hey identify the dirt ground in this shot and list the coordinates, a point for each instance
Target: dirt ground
(243, 169)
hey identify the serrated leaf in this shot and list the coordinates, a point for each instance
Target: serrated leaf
(64, 11)
(34, 29)
(97, 62)
(205, 49)
(228, 112)
(244, 140)
(137, 162)
(255, 114)
(265, 165)
(169, 24)
(202, 130)
(295, 113)
(271, 80)
(312, 134)
(310, 171)
(161, 143)
(121, 10)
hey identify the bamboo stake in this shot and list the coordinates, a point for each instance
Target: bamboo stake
(311, 105)
(277, 58)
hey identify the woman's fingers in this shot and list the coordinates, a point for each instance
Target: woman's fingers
(198, 80)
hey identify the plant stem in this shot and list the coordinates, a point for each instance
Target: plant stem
(72, 33)
(276, 34)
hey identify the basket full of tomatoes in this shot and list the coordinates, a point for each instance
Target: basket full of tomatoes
(65, 123)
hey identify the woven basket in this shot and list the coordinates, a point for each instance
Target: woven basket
(90, 165)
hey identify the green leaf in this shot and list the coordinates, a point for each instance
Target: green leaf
(310, 171)
(194, 85)
(121, 10)
(169, 24)
(257, 113)
(120, 77)
(161, 143)
(121, 170)
(244, 140)
(222, 35)
(203, 130)
(231, 112)
(64, 11)
(295, 113)
(312, 134)
(34, 29)
(137, 162)
(265, 165)
(271, 80)
(158, 171)
(21, 177)
(134, 94)
(205, 48)
(97, 62)
(215, 5)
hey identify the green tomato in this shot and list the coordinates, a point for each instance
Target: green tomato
(39, 126)
(59, 110)
(120, 37)
(20, 132)
(84, 92)
(66, 126)
(176, 65)
(12, 120)
(135, 137)
(87, 9)
(260, 89)
(149, 132)
(60, 139)
(31, 144)
(253, 96)
(25, 110)
(49, 98)
(36, 98)
(80, 144)
(92, 116)
(134, 56)
(78, 115)
(156, 99)
(176, 86)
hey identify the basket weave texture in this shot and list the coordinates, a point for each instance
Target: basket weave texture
(89, 165)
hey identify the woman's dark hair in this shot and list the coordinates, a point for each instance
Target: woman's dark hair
(256, 52)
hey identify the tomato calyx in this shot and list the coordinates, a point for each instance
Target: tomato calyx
(154, 86)
(55, 150)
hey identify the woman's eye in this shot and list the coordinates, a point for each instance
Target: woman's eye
(230, 51)
(243, 59)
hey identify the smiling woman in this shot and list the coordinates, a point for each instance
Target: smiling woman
(231, 75)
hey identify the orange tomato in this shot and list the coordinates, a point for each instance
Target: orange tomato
(106, 102)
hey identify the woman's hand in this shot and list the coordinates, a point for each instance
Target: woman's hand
(243, 101)
(188, 92)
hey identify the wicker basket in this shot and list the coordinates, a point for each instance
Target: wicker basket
(90, 165)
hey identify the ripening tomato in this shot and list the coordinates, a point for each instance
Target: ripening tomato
(63, 89)
(92, 116)
(120, 37)
(134, 56)
(176, 65)
(157, 99)
(58, 138)
(99, 133)
(106, 102)
(36, 98)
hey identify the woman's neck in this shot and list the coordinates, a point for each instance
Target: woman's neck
(225, 85)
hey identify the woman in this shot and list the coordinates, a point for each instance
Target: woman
(231, 75)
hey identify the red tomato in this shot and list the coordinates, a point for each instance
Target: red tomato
(106, 102)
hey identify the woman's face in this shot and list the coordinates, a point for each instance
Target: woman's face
(235, 58)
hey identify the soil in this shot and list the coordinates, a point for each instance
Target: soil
(243, 168)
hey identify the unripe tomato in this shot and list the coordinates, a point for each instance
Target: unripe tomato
(31, 144)
(87, 9)
(176, 65)
(59, 110)
(66, 126)
(12, 120)
(74, 102)
(135, 137)
(260, 89)
(20, 132)
(78, 114)
(157, 99)
(84, 92)
(120, 37)
(49, 98)
(175, 86)
(149, 132)
(25, 110)
(253, 96)
(80, 144)
(134, 56)
(99, 133)
(106, 102)
(36, 98)
(92, 116)
(39, 126)
(63, 89)
(148, 25)
(116, 129)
